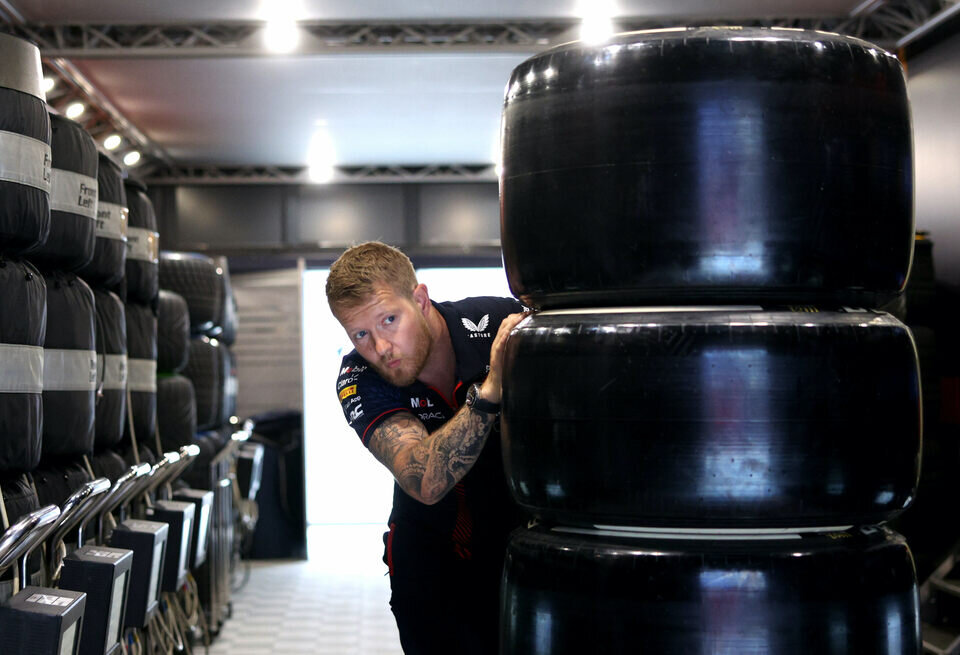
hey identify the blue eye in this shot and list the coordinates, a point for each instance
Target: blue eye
(390, 319)
(359, 335)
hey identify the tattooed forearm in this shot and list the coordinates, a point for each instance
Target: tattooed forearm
(425, 465)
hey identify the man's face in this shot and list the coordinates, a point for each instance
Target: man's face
(391, 333)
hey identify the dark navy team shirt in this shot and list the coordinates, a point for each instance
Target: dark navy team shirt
(474, 518)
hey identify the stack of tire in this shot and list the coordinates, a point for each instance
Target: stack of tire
(25, 199)
(141, 287)
(711, 476)
(85, 350)
(194, 390)
(197, 326)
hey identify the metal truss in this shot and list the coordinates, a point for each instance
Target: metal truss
(226, 175)
(885, 22)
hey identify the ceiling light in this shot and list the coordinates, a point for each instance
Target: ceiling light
(281, 35)
(75, 110)
(112, 142)
(321, 158)
(48, 84)
(597, 25)
(131, 158)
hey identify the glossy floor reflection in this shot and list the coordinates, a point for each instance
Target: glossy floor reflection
(337, 602)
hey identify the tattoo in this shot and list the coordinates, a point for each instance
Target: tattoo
(428, 465)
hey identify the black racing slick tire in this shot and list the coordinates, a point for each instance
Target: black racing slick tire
(143, 246)
(719, 417)
(108, 464)
(141, 370)
(70, 368)
(112, 369)
(19, 498)
(209, 370)
(108, 265)
(57, 480)
(176, 412)
(23, 328)
(724, 164)
(567, 593)
(173, 332)
(73, 198)
(25, 157)
(198, 279)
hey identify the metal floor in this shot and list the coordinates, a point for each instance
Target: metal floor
(336, 603)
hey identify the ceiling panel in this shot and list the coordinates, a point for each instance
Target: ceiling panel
(146, 11)
(396, 109)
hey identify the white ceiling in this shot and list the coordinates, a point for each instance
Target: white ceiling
(391, 108)
(398, 109)
(172, 11)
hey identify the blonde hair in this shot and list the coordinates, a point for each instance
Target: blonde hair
(362, 268)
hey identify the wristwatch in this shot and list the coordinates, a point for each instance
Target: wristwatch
(475, 401)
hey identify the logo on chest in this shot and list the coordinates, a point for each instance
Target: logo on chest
(477, 330)
(418, 403)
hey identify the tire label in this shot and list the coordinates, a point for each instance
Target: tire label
(25, 160)
(142, 375)
(22, 370)
(73, 193)
(112, 371)
(69, 370)
(143, 245)
(111, 221)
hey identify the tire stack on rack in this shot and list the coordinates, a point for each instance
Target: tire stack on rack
(196, 315)
(85, 345)
(141, 289)
(711, 476)
(25, 195)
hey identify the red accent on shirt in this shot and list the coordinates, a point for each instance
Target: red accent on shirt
(393, 527)
(377, 419)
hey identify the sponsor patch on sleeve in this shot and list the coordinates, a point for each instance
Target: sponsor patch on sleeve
(346, 392)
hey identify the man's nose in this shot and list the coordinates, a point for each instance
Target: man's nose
(381, 345)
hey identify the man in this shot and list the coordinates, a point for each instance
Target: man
(422, 390)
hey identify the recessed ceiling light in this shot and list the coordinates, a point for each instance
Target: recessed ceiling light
(112, 142)
(131, 158)
(75, 110)
(597, 24)
(321, 158)
(48, 84)
(281, 36)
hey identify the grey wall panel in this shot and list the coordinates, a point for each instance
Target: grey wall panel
(459, 214)
(268, 347)
(229, 215)
(934, 86)
(342, 215)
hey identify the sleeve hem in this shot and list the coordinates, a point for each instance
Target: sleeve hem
(377, 421)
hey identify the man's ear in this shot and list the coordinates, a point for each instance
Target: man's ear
(422, 298)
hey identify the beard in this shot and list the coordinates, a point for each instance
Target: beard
(410, 364)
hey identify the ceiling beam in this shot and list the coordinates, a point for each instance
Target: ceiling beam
(203, 175)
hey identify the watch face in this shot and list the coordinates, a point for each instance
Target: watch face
(472, 394)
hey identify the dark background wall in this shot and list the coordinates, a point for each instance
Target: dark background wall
(263, 226)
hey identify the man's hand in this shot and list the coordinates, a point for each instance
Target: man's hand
(492, 385)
